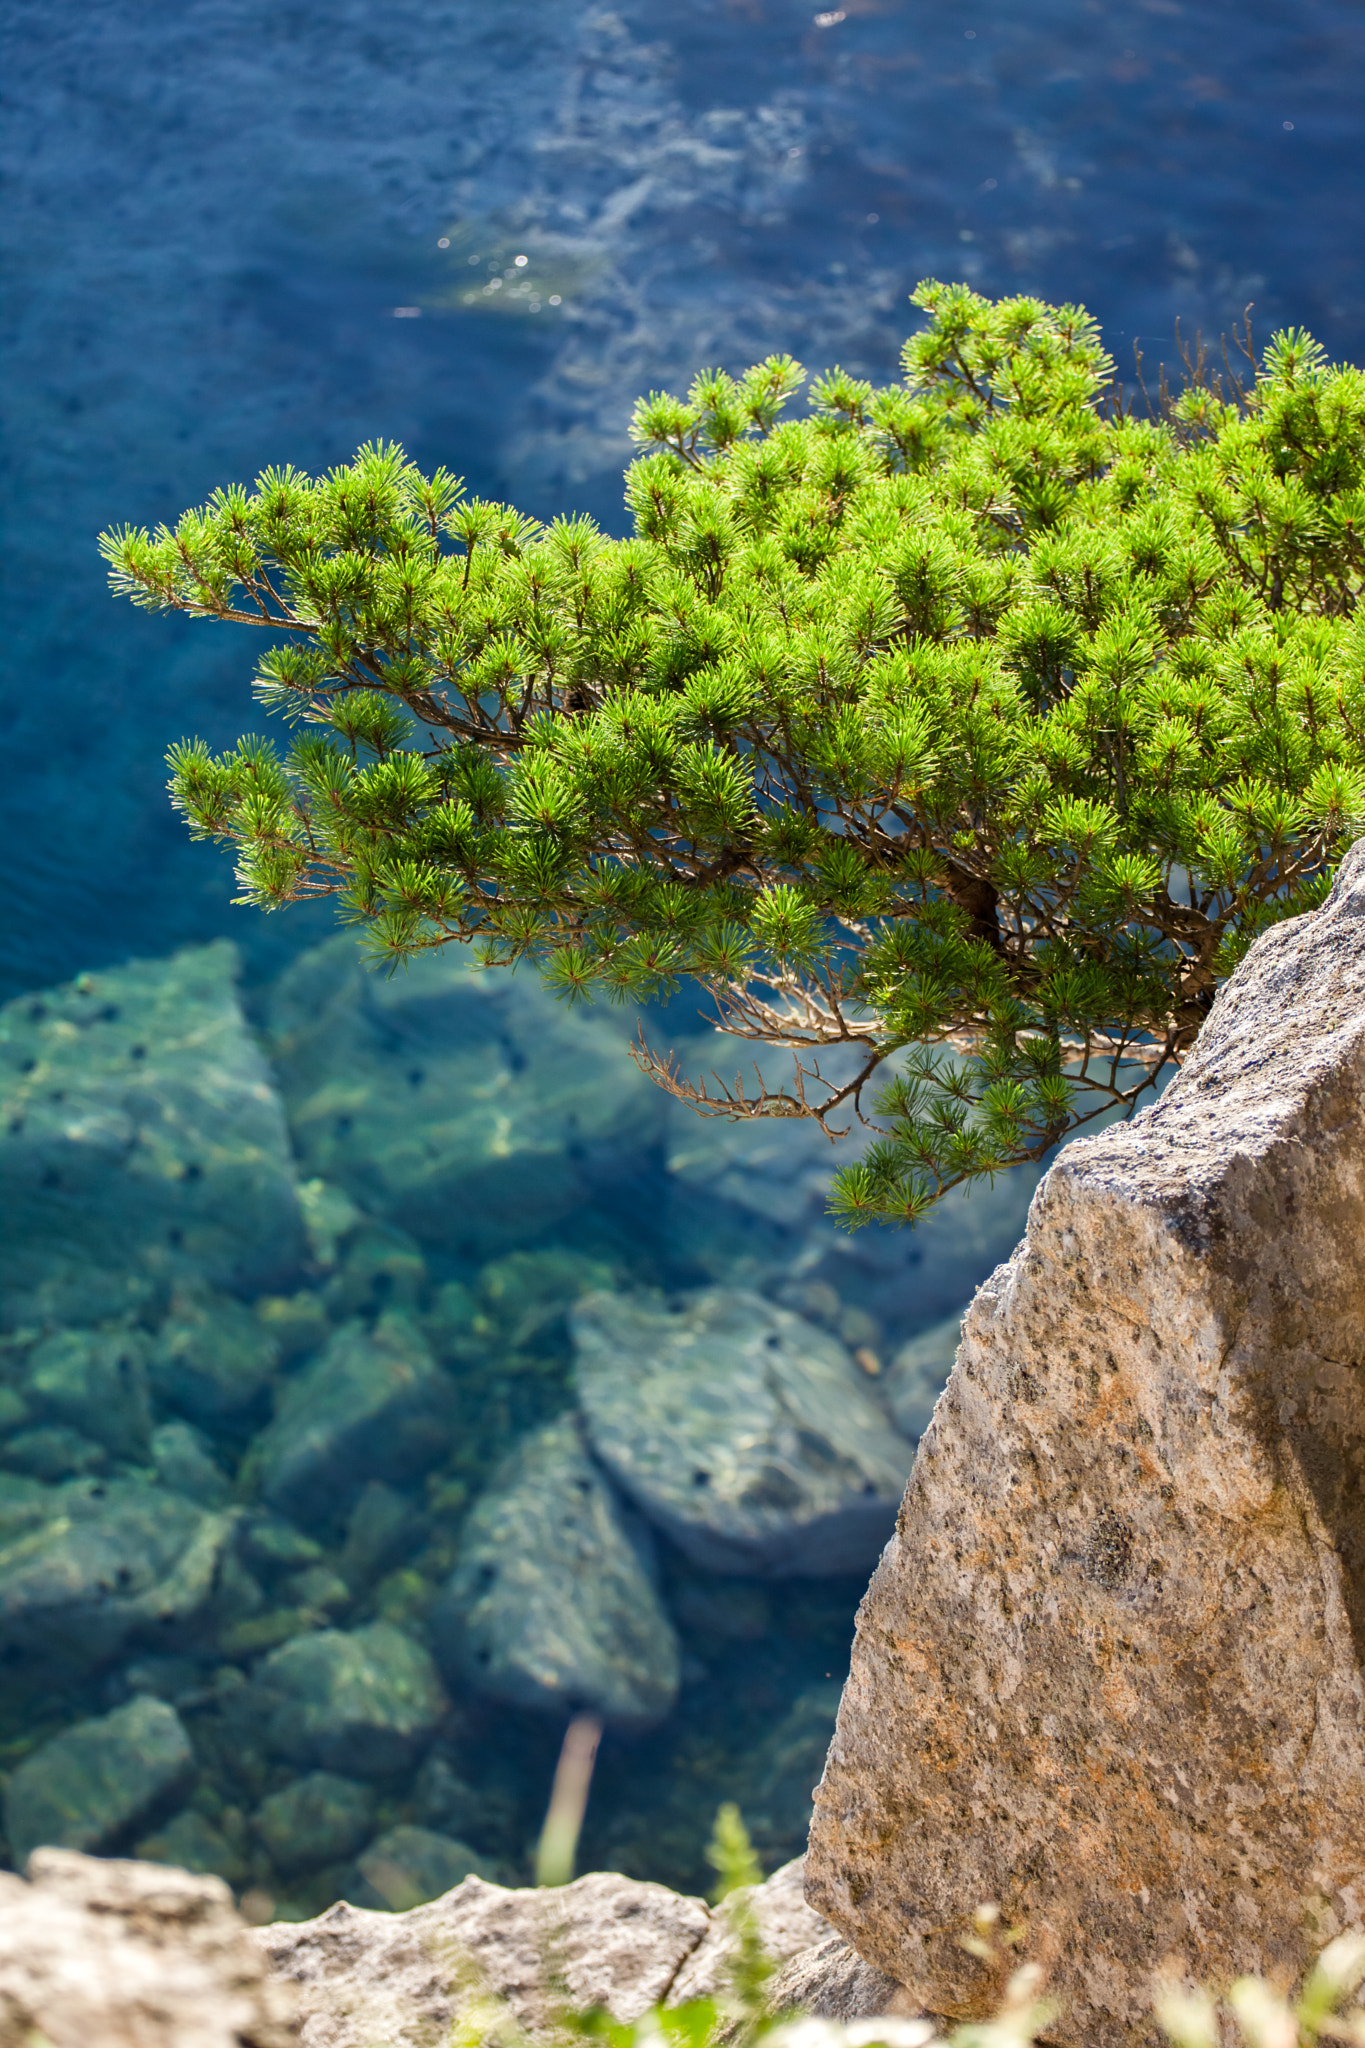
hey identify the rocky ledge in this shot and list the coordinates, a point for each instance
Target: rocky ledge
(99, 1950)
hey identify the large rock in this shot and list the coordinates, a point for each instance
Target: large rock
(406, 1866)
(368, 1976)
(93, 1785)
(1109, 1672)
(605, 1941)
(94, 1381)
(741, 1430)
(95, 1952)
(212, 1358)
(363, 1702)
(471, 1108)
(374, 1404)
(553, 1602)
(141, 1141)
(318, 1819)
(89, 1566)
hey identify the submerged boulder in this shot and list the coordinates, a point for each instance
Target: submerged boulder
(94, 1564)
(742, 1431)
(408, 1865)
(553, 1602)
(470, 1108)
(319, 1819)
(918, 1374)
(94, 1381)
(141, 1142)
(374, 1404)
(212, 1358)
(363, 1702)
(1110, 1673)
(93, 1784)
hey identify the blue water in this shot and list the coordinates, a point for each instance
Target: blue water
(237, 233)
(213, 206)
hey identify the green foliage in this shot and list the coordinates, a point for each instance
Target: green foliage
(974, 715)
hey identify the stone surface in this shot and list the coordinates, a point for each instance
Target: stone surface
(553, 1602)
(406, 1866)
(106, 1954)
(93, 1784)
(470, 1108)
(918, 1374)
(88, 1566)
(364, 1977)
(212, 1358)
(362, 1702)
(1109, 1672)
(94, 1381)
(141, 1140)
(190, 1841)
(319, 1819)
(741, 1430)
(184, 1462)
(787, 1927)
(830, 1981)
(374, 1404)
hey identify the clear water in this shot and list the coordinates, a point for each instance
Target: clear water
(215, 207)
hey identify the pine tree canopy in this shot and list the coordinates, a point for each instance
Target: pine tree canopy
(974, 726)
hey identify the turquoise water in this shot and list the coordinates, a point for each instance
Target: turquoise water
(236, 235)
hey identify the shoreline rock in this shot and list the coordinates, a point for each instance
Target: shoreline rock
(1108, 1674)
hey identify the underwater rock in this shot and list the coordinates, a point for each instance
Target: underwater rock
(95, 1952)
(366, 1976)
(184, 1462)
(52, 1451)
(192, 1842)
(785, 1769)
(1109, 1672)
(407, 1866)
(469, 1108)
(93, 1784)
(743, 1432)
(141, 1142)
(374, 1404)
(94, 1381)
(319, 1819)
(212, 1358)
(363, 1703)
(89, 1566)
(918, 1374)
(553, 1602)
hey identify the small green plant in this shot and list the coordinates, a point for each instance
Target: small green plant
(973, 725)
(1263, 2016)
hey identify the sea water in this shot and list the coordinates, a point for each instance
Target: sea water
(238, 234)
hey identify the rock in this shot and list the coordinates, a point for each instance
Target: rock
(363, 1703)
(1109, 1672)
(94, 1381)
(469, 1108)
(213, 1359)
(374, 1404)
(553, 1601)
(95, 1952)
(192, 1842)
(319, 1819)
(783, 1771)
(185, 1463)
(918, 1374)
(743, 1432)
(141, 1141)
(92, 1785)
(407, 1866)
(87, 1567)
(786, 1925)
(366, 1977)
(54, 1452)
(830, 1981)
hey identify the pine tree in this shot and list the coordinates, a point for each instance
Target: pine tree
(975, 725)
